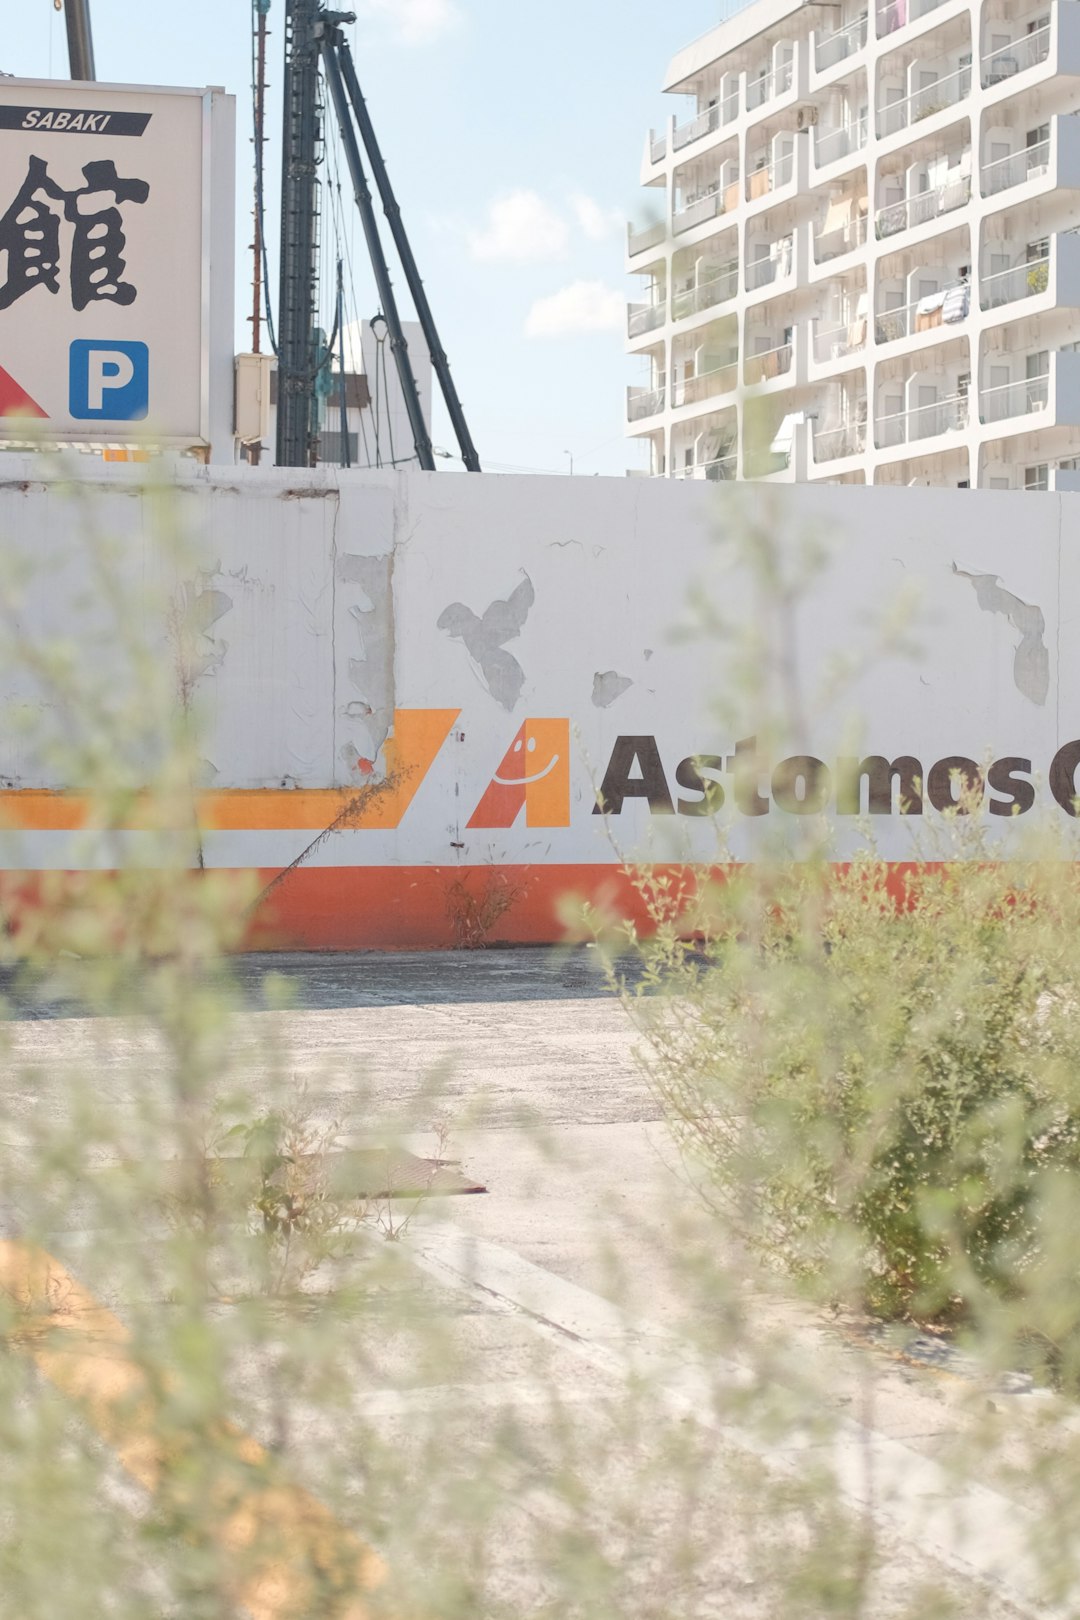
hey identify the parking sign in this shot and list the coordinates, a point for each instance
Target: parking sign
(116, 263)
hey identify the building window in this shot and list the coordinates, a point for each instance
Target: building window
(1037, 477)
(330, 448)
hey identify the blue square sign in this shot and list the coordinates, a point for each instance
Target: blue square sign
(108, 381)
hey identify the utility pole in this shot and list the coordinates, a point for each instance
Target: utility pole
(301, 138)
(80, 40)
(262, 9)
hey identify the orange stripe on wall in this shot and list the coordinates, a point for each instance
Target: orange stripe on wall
(386, 908)
(408, 754)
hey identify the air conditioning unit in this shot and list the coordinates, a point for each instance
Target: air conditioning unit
(806, 118)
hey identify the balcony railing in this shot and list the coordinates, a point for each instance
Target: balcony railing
(923, 207)
(647, 237)
(837, 143)
(776, 265)
(642, 402)
(839, 341)
(932, 98)
(834, 443)
(1014, 399)
(715, 291)
(721, 470)
(657, 147)
(644, 318)
(696, 128)
(948, 308)
(1022, 281)
(1023, 53)
(896, 14)
(1004, 173)
(922, 421)
(844, 42)
(768, 85)
(697, 212)
(770, 176)
(842, 239)
(706, 385)
(768, 363)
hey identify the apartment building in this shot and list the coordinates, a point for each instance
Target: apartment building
(859, 258)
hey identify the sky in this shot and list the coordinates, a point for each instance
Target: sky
(513, 134)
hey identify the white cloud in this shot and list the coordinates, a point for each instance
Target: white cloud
(597, 223)
(584, 306)
(521, 227)
(414, 22)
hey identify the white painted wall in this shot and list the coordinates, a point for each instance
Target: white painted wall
(332, 587)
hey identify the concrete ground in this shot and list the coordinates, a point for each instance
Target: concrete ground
(580, 1256)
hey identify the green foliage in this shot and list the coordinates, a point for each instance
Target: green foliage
(882, 1079)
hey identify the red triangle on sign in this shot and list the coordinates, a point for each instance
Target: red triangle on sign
(14, 400)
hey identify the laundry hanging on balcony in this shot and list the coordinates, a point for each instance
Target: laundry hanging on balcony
(928, 311)
(956, 303)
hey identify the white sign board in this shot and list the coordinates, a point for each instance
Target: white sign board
(116, 263)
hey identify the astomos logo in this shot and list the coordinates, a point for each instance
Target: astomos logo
(803, 785)
(534, 776)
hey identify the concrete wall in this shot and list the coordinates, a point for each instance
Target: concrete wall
(446, 669)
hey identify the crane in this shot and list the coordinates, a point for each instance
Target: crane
(79, 37)
(315, 37)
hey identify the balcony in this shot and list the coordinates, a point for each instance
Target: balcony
(1053, 277)
(722, 470)
(837, 342)
(1014, 399)
(767, 364)
(696, 213)
(769, 177)
(947, 308)
(642, 318)
(947, 415)
(835, 443)
(706, 122)
(649, 236)
(924, 207)
(829, 49)
(643, 402)
(695, 129)
(657, 146)
(843, 230)
(706, 385)
(767, 86)
(1034, 404)
(1049, 165)
(1017, 170)
(896, 14)
(1017, 57)
(715, 291)
(932, 98)
(775, 265)
(832, 144)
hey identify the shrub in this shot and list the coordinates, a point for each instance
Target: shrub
(881, 1082)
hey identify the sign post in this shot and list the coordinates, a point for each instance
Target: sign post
(116, 265)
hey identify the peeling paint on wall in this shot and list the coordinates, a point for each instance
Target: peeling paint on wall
(608, 686)
(198, 611)
(1031, 661)
(485, 637)
(365, 586)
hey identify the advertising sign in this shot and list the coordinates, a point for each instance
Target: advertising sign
(116, 275)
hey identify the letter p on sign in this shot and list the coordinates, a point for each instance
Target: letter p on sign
(108, 382)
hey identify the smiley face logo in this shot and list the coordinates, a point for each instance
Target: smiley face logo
(534, 773)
